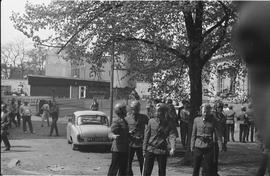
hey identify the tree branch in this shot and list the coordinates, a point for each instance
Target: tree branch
(88, 22)
(162, 46)
(218, 24)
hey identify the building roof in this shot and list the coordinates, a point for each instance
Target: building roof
(63, 81)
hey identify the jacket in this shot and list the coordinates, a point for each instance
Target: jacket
(136, 124)
(4, 120)
(25, 110)
(205, 133)
(120, 127)
(230, 114)
(156, 135)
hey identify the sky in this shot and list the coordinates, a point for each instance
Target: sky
(8, 32)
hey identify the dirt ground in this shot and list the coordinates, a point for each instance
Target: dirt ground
(40, 154)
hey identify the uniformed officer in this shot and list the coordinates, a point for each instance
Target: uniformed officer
(136, 123)
(158, 130)
(119, 134)
(253, 41)
(204, 134)
(4, 126)
(230, 115)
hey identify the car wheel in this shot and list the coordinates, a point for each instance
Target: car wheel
(74, 146)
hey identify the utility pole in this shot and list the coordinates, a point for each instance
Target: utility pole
(111, 85)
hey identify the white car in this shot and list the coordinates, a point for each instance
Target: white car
(88, 128)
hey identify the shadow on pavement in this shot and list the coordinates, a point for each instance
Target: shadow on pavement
(95, 149)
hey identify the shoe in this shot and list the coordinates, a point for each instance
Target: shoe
(7, 149)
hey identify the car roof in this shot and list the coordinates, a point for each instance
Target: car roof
(89, 112)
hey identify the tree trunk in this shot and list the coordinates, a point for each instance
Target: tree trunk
(195, 74)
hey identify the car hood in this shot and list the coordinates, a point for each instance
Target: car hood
(93, 130)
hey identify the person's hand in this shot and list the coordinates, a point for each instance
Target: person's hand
(115, 136)
(172, 151)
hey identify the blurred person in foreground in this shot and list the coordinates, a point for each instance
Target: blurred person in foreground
(120, 135)
(158, 130)
(252, 39)
(136, 123)
(4, 126)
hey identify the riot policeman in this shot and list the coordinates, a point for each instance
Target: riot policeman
(204, 134)
(119, 134)
(158, 130)
(136, 123)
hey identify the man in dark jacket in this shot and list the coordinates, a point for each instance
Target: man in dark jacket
(119, 134)
(4, 126)
(136, 123)
(158, 130)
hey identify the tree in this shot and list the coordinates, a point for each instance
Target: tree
(173, 33)
(38, 57)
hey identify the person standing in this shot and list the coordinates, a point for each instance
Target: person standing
(158, 130)
(94, 106)
(230, 115)
(243, 125)
(184, 120)
(26, 114)
(136, 123)
(18, 113)
(54, 111)
(251, 125)
(4, 126)
(12, 112)
(45, 113)
(120, 135)
(204, 134)
(150, 109)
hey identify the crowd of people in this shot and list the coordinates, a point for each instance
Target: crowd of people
(148, 136)
(13, 111)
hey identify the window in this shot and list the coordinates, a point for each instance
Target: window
(82, 91)
(92, 120)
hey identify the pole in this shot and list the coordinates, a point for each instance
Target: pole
(111, 85)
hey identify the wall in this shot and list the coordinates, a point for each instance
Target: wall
(56, 66)
(60, 91)
(15, 85)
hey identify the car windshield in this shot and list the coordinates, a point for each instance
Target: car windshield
(92, 120)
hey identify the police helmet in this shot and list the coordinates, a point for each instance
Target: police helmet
(135, 104)
(119, 108)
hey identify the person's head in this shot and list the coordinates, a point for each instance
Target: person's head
(231, 107)
(3, 107)
(12, 100)
(135, 107)
(53, 103)
(243, 109)
(25, 103)
(156, 101)
(169, 101)
(226, 105)
(218, 106)
(206, 109)
(161, 110)
(120, 110)
(185, 104)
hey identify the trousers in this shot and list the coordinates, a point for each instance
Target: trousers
(149, 163)
(230, 131)
(4, 138)
(251, 128)
(184, 133)
(206, 155)
(243, 133)
(27, 119)
(12, 119)
(118, 164)
(54, 126)
(139, 153)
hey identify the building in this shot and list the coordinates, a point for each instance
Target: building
(14, 86)
(63, 87)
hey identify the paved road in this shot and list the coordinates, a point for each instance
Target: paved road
(40, 154)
